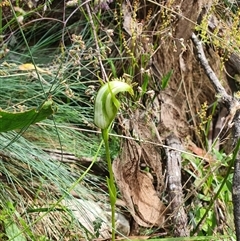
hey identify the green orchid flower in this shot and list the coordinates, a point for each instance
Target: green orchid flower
(106, 104)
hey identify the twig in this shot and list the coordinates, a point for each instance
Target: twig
(233, 106)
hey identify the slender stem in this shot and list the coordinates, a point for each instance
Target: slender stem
(110, 181)
(106, 138)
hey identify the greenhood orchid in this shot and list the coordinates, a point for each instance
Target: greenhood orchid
(106, 103)
(105, 110)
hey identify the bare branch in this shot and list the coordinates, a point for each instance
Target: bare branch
(226, 99)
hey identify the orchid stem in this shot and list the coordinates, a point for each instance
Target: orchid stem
(110, 180)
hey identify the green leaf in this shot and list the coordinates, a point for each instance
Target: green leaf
(165, 79)
(13, 232)
(18, 120)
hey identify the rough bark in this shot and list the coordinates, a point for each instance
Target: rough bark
(236, 196)
(236, 176)
(234, 62)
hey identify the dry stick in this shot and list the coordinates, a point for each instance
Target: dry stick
(175, 191)
(233, 106)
